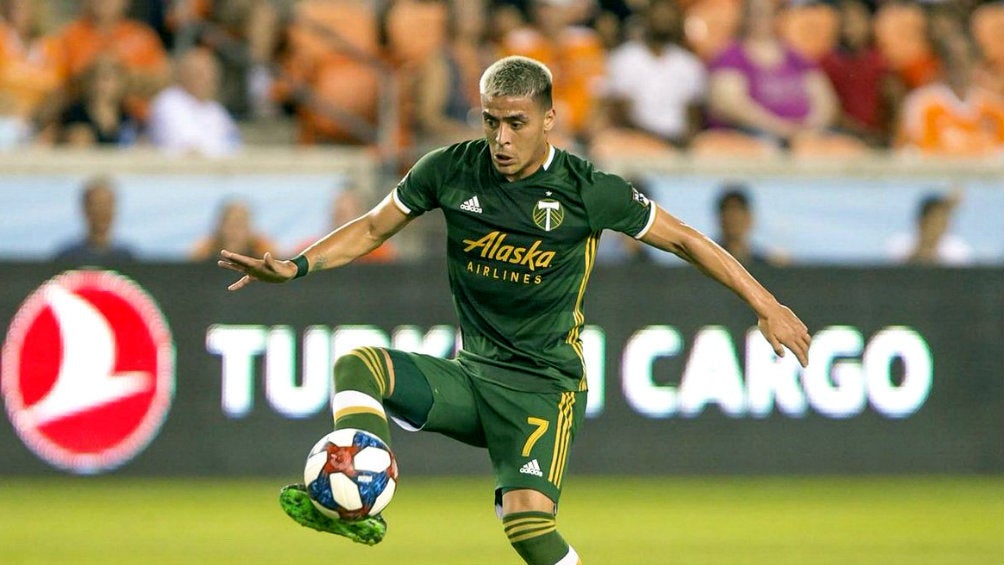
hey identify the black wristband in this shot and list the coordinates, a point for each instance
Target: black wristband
(302, 266)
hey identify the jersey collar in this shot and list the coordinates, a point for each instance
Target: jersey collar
(550, 157)
(551, 154)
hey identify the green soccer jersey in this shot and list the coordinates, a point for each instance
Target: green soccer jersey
(519, 256)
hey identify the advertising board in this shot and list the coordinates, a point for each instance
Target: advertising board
(906, 370)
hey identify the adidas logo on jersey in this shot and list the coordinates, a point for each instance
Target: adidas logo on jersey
(472, 205)
(531, 468)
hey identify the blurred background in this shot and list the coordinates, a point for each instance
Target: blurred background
(849, 152)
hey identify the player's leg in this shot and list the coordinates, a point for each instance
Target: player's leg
(529, 436)
(434, 395)
(421, 391)
(364, 379)
(530, 523)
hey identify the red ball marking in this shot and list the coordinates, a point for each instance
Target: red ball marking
(341, 460)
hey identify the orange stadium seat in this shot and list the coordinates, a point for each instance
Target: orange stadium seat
(332, 46)
(415, 29)
(710, 25)
(342, 86)
(326, 28)
(810, 29)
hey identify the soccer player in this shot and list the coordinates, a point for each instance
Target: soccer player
(523, 221)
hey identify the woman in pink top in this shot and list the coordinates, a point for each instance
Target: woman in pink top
(761, 86)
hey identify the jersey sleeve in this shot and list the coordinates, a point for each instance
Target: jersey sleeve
(416, 194)
(612, 203)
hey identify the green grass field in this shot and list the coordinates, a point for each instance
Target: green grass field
(652, 521)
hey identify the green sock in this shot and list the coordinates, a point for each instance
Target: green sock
(363, 378)
(535, 537)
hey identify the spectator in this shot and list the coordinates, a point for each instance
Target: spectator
(444, 88)
(503, 19)
(99, 116)
(30, 70)
(103, 29)
(347, 205)
(155, 13)
(931, 244)
(573, 53)
(97, 246)
(735, 224)
(761, 86)
(654, 85)
(610, 22)
(953, 116)
(186, 117)
(234, 230)
(987, 25)
(243, 35)
(868, 91)
(902, 34)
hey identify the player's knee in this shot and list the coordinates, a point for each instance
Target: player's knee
(534, 535)
(364, 369)
(524, 500)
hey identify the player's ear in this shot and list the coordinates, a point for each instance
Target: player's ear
(549, 117)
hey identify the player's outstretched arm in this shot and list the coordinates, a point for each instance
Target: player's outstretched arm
(342, 246)
(267, 269)
(779, 325)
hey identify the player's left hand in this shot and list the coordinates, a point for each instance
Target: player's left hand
(267, 269)
(782, 328)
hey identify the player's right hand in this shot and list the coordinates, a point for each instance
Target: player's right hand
(267, 269)
(782, 328)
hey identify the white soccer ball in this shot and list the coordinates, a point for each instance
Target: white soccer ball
(350, 474)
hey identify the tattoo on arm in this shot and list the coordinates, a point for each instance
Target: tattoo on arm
(319, 262)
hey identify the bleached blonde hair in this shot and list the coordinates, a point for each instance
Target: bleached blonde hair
(520, 77)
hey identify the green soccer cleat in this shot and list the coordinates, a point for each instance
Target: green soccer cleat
(296, 504)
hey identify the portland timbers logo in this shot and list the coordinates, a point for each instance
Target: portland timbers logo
(548, 214)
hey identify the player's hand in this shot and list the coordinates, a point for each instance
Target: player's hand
(782, 328)
(267, 269)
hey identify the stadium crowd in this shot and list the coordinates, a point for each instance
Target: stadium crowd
(744, 78)
(711, 76)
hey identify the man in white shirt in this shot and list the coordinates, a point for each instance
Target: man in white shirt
(186, 117)
(653, 83)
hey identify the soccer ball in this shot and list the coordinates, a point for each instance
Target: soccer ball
(350, 474)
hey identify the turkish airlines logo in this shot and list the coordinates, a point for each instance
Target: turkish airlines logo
(88, 371)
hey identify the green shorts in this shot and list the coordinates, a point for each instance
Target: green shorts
(528, 434)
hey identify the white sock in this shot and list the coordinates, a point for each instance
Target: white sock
(570, 558)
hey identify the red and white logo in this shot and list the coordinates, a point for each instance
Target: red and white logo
(88, 371)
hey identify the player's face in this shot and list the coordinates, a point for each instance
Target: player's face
(516, 129)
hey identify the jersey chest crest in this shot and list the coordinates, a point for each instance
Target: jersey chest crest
(538, 213)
